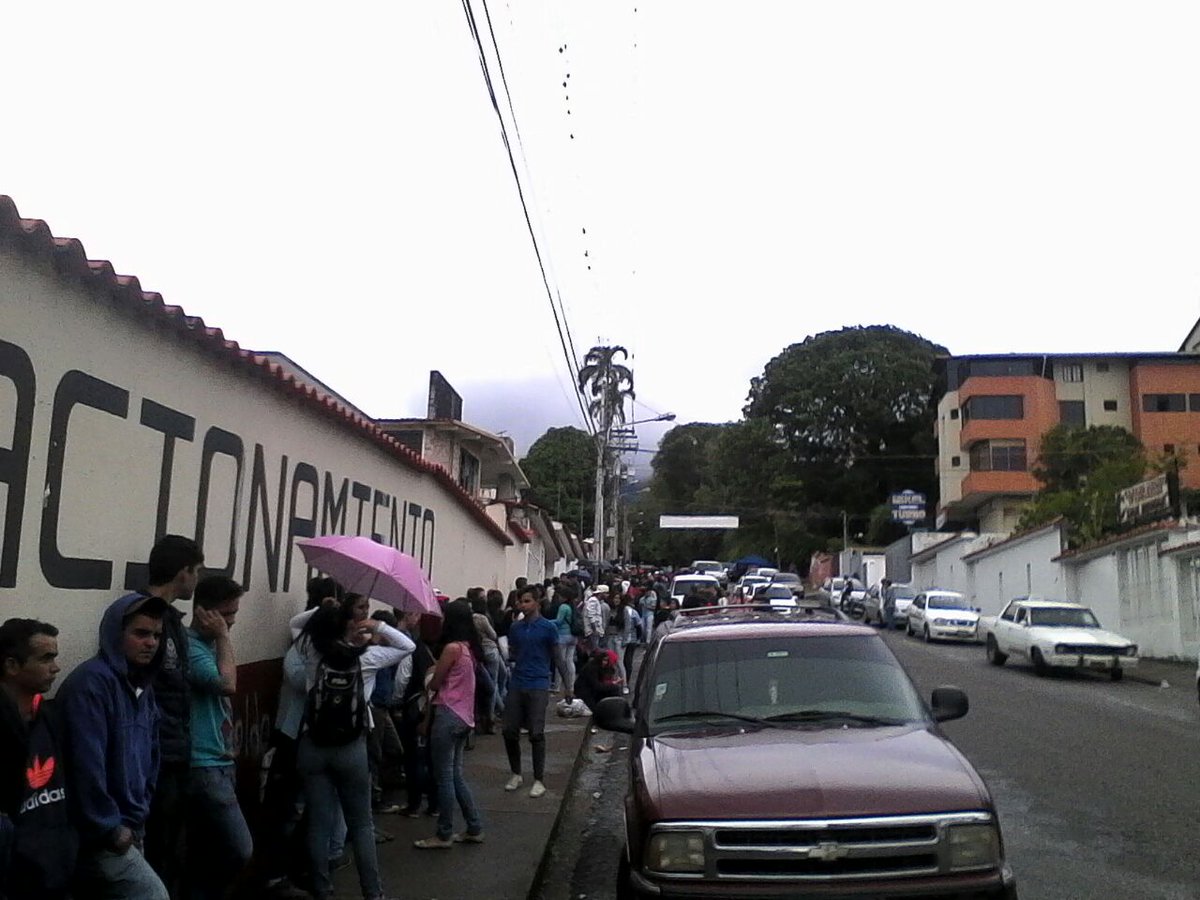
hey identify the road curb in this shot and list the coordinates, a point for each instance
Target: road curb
(581, 758)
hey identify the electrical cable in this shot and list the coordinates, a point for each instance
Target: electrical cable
(487, 77)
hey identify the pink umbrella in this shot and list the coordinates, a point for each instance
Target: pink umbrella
(363, 566)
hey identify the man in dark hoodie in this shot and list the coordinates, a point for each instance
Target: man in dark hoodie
(40, 858)
(112, 750)
(174, 566)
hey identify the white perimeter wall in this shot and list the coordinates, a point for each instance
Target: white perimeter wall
(256, 469)
(1019, 569)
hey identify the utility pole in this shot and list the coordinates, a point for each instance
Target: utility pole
(602, 437)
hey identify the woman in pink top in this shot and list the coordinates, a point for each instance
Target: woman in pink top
(453, 688)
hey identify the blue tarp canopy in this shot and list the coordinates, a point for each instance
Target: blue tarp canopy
(752, 561)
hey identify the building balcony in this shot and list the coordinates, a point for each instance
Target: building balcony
(977, 430)
(980, 485)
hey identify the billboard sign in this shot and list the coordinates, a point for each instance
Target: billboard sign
(1146, 500)
(692, 522)
(444, 401)
(907, 507)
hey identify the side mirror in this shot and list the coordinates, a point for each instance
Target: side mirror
(979, 609)
(614, 714)
(948, 703)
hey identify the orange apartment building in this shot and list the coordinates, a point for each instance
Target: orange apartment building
(992, 411)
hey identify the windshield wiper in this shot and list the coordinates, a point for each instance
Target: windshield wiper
(825, 715)
(700, 713)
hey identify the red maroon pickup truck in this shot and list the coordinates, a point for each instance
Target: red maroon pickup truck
(787, 754)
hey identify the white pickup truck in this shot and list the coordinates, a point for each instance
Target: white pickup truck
(1052, 634)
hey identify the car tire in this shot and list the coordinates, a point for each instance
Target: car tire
(1039, 663)
(994, 656)
(625, 888)
(1116, 673)
(925, 634)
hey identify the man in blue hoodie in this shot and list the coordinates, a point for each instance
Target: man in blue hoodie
(112, 749)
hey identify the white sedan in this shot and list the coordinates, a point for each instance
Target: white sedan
(936, 615)
(1051, 635)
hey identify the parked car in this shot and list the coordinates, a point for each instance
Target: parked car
(764, 572)
(745, 588)
(1052, 634)
(711, 567)
(682, 585)
(789, 580)
(778, 595)
(938, 615)
(854, 601)
(763, 764)
(902, 596)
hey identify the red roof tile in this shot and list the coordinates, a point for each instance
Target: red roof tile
(68, 257)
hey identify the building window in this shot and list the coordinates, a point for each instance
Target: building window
(1164, 403)
(1194, 402)
(999, 406)
(468, 472)
(954, 413)
(1003, 455)
(1101, 367)
(1110, 405)
(1071, 414)
(1168, 448)
(956, 461)
(1072, 372)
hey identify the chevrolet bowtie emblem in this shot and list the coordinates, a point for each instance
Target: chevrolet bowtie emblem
(828, 851)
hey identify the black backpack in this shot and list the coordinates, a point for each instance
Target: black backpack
(576, 619)
(335, 713)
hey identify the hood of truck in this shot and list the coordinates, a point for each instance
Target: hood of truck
(804, 772)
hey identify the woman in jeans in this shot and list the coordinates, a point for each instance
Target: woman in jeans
(453, 688)
(564, 650)
(338, 777)
(491, 661)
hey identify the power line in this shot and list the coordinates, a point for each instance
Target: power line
(568, 353)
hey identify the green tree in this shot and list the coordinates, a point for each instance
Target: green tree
(852, 413)
(1081, 471)
(561, 468)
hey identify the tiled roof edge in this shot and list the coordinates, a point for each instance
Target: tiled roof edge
(69, 259)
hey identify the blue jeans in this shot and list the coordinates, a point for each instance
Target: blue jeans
(339, 778)
(219, 843)
(120, 876)
(447, 740)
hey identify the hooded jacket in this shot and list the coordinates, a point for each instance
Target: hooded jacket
(112, 741)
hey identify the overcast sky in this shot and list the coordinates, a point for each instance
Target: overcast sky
(328, 180)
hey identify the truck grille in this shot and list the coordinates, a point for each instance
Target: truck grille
(825, 850)
(1091, 650)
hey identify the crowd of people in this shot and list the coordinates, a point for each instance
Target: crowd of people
(124, 784)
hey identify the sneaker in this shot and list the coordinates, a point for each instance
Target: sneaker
(513, 783)
(283, 889)
(537, 790)
(411, 812)
(465, 837)
(434, 843)
(382, 837)
(388, 809)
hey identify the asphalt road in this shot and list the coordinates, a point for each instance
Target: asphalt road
(1097, 783)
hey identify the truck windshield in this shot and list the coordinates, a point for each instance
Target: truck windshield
(778, 679)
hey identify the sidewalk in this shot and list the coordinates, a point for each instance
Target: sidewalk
(1156, 671)
(517, 828)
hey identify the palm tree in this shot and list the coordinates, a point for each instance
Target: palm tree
(608, 384)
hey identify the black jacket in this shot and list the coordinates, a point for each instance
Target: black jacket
(33, 795)
(172, 692)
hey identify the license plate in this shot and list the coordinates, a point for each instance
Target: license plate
(1097, 663)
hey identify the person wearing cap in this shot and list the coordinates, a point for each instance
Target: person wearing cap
(112, 749)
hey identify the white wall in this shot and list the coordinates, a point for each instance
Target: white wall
(1018, 569)
(64, 353)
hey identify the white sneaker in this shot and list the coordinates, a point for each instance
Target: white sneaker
(513, 783)
(537, 790)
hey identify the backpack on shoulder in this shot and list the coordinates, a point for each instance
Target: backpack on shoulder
(335, 713)
(577, 620)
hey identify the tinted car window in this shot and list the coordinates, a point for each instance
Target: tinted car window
(943, 602)
(772, 676)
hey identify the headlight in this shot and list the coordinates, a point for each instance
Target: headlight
(937, 621)
(1060, 649)
(1131, 650)
(675, 851)
(973, 846)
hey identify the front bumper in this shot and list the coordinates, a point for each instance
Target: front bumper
(1096, 661)
(954, 632)
(985, 886)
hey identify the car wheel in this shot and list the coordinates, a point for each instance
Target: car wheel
(994, 656)
(625, 889)
(1039, 663)
(1116, 673)
(925, 634)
